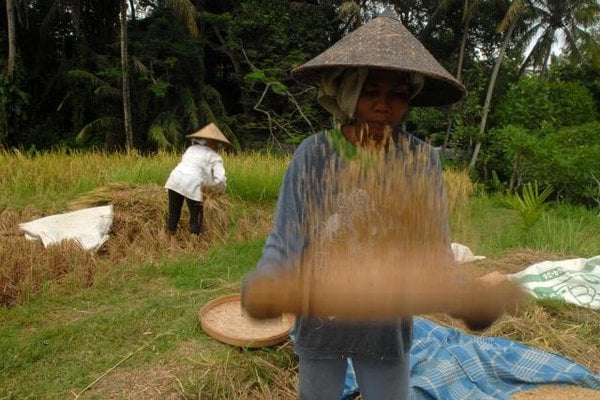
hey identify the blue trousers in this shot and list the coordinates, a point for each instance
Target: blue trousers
(377, 379)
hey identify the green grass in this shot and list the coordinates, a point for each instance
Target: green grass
(255, 176)
(55, 344)
(493, 228)
(226, 263)
(49, 181)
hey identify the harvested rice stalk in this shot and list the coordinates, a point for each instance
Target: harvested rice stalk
(378, 249)
(138, 230)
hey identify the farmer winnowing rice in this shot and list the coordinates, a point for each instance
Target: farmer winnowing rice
(200, 168)
(360, 208)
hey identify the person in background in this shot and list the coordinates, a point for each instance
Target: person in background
(367, 81)
(201, 168)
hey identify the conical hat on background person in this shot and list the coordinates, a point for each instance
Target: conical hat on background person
(384, 42)
(209, 132)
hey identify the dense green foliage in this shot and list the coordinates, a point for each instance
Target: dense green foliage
(533, 103)
(548, 133)
(194, 62)
(569, 160)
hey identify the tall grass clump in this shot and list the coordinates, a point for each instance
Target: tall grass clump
(255, 176)
(144, 170)
(50, 180)
(564, 235)
(459, 190)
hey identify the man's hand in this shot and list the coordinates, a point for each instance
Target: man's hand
(489, 298)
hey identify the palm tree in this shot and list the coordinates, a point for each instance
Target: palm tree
(186, 12)
(589, 48)
(440, 11)
(549, 17)
(125, 73)
(12, 39)
(507, 25)
(555, 21)
(469, 10)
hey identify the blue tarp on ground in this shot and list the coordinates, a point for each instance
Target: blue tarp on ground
(448, 364)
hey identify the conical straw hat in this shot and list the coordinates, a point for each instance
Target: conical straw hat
(210, 132)
(384, 42)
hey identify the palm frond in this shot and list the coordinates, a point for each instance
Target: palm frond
(139, 66)
(213, 97)
(165, 131)
(531, 203)
(50, 18)
(189, 107)
(186, 12)
(514, 12)
(87, 77)
(102, 124)
(106, 91)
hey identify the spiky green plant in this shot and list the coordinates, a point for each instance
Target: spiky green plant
(530, 203)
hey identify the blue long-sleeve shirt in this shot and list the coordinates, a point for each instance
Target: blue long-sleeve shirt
(306, 180)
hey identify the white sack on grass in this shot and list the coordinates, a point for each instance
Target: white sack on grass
(574, 281)
(88, 227)
(463, 254)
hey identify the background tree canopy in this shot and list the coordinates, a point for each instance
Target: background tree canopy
(190, 62)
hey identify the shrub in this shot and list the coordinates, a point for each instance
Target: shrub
(567, 159)
(534, 103)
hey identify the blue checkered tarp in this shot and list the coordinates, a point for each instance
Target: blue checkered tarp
(448, 364)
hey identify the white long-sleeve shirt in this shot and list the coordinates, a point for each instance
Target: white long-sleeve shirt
(200, 166)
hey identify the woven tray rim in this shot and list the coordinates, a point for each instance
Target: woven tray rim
(240, 340)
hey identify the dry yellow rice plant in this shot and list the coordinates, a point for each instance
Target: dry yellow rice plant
(137, 236)
(378, 245)
(564, 329)
(459, 190)
(140, 213)
(27, 267)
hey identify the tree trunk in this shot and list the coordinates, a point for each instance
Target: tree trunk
(545, 65)
(12, 39)
(459, 67)
(490, 91)
(224, 48)
(433, 18)
(515, 174)
(125, 72)
(132, 7)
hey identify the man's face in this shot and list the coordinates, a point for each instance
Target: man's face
(383, 102)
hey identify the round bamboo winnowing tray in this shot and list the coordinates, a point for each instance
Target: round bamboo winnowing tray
(224, 319)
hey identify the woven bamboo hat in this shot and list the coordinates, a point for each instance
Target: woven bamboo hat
(384, 42)
(209, 132)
